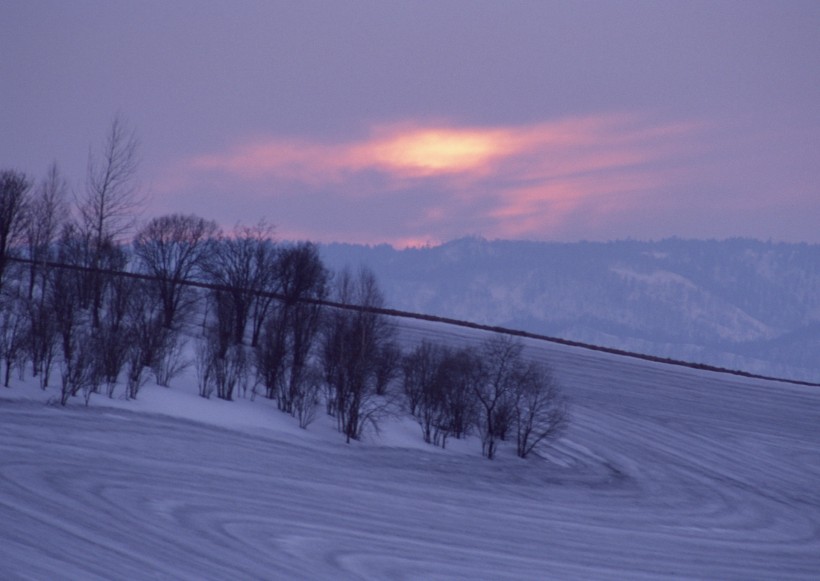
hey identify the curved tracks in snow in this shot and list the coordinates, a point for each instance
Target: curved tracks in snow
(665, 473)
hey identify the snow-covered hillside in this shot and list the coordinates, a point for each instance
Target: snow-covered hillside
(739, 304)
(664, 473)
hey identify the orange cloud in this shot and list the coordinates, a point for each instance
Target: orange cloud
(429, 151)
(404, 151)
(506, 181)
(409, 150)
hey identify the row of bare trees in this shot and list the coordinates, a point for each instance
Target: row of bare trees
(108, 309)
(491, 389)
(261, 308)
(47, 312)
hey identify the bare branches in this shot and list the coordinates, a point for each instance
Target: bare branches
(541, 413)
(47, 213)
(14, 193)
(500, 356)
(244, 264)
(173, 249)
(101, 318)
(110, 205)
(112, 199)
(350, 353)
(492, 389)
(288, 341)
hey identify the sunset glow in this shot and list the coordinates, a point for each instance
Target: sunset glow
(434, 151)
(398, 121)
(516, 181)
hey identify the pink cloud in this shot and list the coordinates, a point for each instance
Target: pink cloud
(505, 181)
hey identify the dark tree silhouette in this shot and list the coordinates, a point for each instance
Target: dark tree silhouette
(419, 374)
(173, 249)
(541, 412)
(494, 391)
(108, 209)
(284, 354)
(14, 330)
(147, 337)
(438, 383)
(457, 373)
(48, 210)
(244, 265)
(388, 367)
(14, 194)
(350, 351)
(111, 336)
(65, 293)
(227, 363)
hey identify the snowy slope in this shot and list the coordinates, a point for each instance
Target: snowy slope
(665, 473)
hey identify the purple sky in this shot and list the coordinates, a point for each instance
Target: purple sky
(424, 121)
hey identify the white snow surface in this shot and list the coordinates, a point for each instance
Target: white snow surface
(665, 473)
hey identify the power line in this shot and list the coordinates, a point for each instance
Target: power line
(411, 315)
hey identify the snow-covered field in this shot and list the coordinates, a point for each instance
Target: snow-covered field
(664, 473)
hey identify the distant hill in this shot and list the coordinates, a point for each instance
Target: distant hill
(738, 303)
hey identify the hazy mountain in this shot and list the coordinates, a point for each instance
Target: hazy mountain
(738, 303)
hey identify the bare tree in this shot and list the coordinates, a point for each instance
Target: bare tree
(173, 250)
(42, 336)
(14, 329)
(203, 362)
(147, 336)
(494, 393)
(108, 210)
(290, 335)
(267, 277)
(228, 363)
(77, 364)
(244, 265)
(420, 368)
(541, 413)
(438, 383)
(271, 360)
(14, 194)
(388, 367)
(47, 212)
(307, 397)
(171, 360)
(458, 372)
(227, 370)
(46, 216)
(350, 349)
(110, 204)
(112, 337)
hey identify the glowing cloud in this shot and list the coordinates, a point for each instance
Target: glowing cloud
(431, 151)
(446, 181)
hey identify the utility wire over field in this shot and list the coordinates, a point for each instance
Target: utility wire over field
(401, 314)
